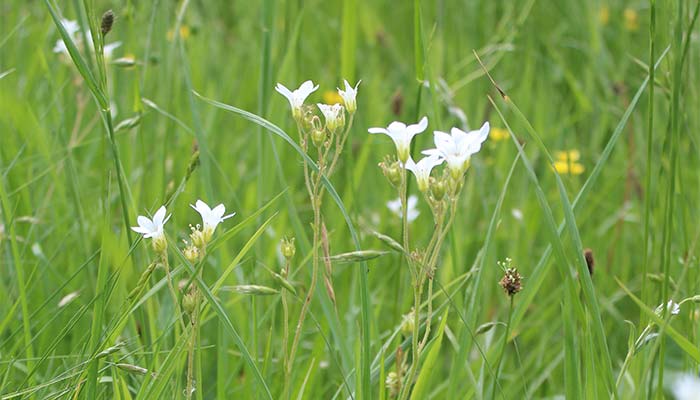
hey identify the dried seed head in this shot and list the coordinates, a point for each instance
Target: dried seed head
(512, 280)
(107, 21)
(590, 262)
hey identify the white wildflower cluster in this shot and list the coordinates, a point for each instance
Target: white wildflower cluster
(152, 228)
(454, 149)
(76, 35)
(334, 114)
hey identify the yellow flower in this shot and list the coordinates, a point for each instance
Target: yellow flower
(498, 134)
(631, 19)
(604, 15)
(184, 33)
(567, 162)
(332, 97)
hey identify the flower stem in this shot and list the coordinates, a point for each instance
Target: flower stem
(503, 349)
(171, 287)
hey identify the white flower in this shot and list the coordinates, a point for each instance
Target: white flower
(152, 228)
(335, 118)
(402, 135)
(73, 29)
(458, 146)
(411, 212)
(348, 95)
(109, 49)
(296, 98)
(422, 169)
(211, 217)
(686, 387)
(672, 307)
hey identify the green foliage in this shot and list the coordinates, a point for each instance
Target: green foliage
(185, 108)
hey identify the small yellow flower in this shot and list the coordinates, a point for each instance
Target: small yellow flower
(184, 33)
(567, 162)
(604, 15)
(631, 19)
(498, 134)
(332, 97)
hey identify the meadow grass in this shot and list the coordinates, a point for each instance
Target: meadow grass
(587, 185)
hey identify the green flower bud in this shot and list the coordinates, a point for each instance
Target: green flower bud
(288, 248)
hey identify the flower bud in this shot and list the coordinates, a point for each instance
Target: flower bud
(393, 383)
(288, 248)
(189, 302)
(160, 244)
(408, 322)
(392, 170)
(318, 137)
(437, 188)
(191, 253)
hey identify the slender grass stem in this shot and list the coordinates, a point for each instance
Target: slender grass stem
(503, 350)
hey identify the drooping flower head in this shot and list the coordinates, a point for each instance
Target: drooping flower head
(349, 95)
(422, 169)
(334, 115)
(672, 307)
(297, 97)
(153, 228)
(458, 146)
(211, 217)
(402, 135)
(411, 211)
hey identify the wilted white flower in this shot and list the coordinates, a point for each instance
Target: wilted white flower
(67, 299)
(333, 113)
(411, 212)
(402, 135)
(422, 168)
(348, 95)
(686, 387)
(296, 98)
(153, 228)
(458, 146)
(672, 307)
(211, 217)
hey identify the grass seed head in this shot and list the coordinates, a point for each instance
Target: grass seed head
(107, 22)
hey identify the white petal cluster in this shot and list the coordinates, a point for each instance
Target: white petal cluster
(348, 95)
(334, 115)
(211, 217)
(458, 146)
(297, 97)
(422, 169)
(152, 228)
(402, 135)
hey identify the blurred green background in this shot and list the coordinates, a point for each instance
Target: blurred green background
(573, 69)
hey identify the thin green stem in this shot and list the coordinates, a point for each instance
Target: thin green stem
(503, 349)
(171, 288)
